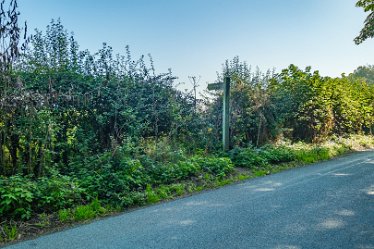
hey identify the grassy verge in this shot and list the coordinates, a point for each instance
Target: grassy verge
(46, 205)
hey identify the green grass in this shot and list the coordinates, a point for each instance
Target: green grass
(82, 213)
(64, 215)
(178, 189)
(152, 196)
(9, 233)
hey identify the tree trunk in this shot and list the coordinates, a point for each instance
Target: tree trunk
(26, 157)
(39, 160)
(2, 166)
(14, 144)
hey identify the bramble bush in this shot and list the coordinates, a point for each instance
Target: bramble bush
(57, 192)
(217, 166)
(275, 155)
(247, 158)
(21, 197)
(17, 195)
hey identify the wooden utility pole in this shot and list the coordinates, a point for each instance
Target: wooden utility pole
(225, 86)
(226, 115)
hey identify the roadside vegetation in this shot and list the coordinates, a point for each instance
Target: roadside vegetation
(84, 135)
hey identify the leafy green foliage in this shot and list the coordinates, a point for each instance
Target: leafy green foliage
(57, 192)
(252, 111)
(21, 196)
(217, 166)
(364, 72)
(367, 31)
(108, 177)
(247, 158)
(16, 197)
(193, 167)
(313, 108)
(294, 104)
(132, 199)
(276, 155)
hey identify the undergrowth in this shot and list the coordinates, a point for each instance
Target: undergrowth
(122, 182)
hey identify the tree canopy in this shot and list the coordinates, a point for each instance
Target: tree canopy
(368, 29)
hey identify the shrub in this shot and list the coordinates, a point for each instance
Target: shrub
(172, 172)
(247, 158)
(132, 199)
(217, 166)
(305, 156)
(275, 155)
(112, 178)
(163, 150)
(134, 173)
(184, 169)
(17, 194)
(58, 192)
(321, 153)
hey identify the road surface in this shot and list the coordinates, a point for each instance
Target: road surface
(325, 205)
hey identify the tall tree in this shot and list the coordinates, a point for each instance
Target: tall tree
(10, 49)
(364, 72)
(368, 29)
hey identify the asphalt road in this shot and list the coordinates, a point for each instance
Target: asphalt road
(326, 205)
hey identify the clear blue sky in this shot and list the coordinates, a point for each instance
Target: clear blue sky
(195, 37)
